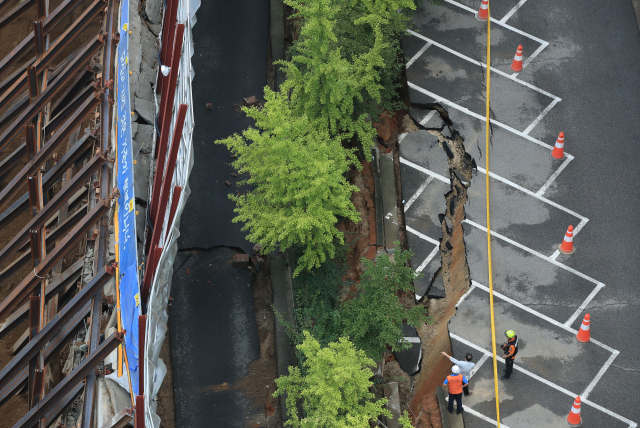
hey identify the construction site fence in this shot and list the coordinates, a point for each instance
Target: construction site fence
(157, 314)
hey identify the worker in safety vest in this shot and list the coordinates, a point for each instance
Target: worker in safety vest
(455, 382)
(510, 350)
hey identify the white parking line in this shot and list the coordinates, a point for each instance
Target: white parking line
(481, 64)
(417, 55)
(502, 24)
(587, 391)
(470, 411)
(555, 175)
(479, 364)
(540, 116)
(512, 11)
(584, 304)
(464, 296)
(430, 257)
(458, 107)
(548, 383)
(534, 252)
(418, 193)
(531, 58)
(423, 236)
(504, 180)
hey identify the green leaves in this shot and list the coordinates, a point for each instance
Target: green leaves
(297, 172)
(374, 318)
(335, 389)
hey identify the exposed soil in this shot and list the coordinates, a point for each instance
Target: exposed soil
(259, 383)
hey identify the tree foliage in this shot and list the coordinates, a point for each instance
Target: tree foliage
(297, 171)
(343, 70)
(372, 319)
(334, 389)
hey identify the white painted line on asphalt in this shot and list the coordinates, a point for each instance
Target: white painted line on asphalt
(430, 257)
(504, 180)
(427, 118)
(577, 229)
(401, 137)
(418, 193)
(470, 411)
(464, 296)
(502, 24)
(525, 308)
(595, 380)
(417, 55)
(540, 116)
(531, 58)
(479, 364)
(555, 175)
(546, 382)
(512, 11)
(584, 304)
(422, 236)
(534, 252)
(412, 339)
(481, 64)
(425, 170)
(479, 117)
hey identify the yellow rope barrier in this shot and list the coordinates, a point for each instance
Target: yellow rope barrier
(493, 324)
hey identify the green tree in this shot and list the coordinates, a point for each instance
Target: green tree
(373, 319)
(328, 83)
(299, 190)
(334, 389)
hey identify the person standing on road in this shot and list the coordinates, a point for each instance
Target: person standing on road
(465, 368)
(510, 350)
(455, 382)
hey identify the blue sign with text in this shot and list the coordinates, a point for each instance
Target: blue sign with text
(127, 248)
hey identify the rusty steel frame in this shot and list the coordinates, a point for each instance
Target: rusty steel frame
(36, 94)
(45, 97)
(47, 150)
(58, 322)
(65, 193)
(86, 367)
(163, 198)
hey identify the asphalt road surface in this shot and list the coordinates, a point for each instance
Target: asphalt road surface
(582, 77)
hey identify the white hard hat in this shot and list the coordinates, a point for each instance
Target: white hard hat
(455, 369)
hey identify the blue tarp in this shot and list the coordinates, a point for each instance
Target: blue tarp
(127, 249)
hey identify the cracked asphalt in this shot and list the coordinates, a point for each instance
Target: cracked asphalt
(588, 71)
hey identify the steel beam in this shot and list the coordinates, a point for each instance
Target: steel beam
(142, 328)
(79, 151)
(120, 420)
(63, 195)
(61, 390)
(27, 43)
(38, 35)
(45, 97)
(166, 108)
(41, 157)
(68, 328)
(10, 161)
(163, 191)
(168, 33)
(21, 8)
(58, 322)
(69, 276)
(139, 422)
(32, 80)
(66, 112)
(26, 286)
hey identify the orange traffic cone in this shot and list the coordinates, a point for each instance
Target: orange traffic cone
(516, 65)
(574, 419)
(584, 334)
(558, 149)
(483, 12)
(567, 244)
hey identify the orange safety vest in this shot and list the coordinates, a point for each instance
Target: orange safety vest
(455, 384)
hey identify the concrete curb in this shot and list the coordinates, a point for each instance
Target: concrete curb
(282, 290)
(442, 403)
